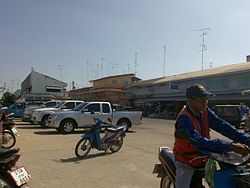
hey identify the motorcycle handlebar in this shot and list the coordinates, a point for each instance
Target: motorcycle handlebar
(101, 121)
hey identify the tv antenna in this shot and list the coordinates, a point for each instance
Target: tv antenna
(136, 62)
(113, 67)
(102, 66)
(164, 57)
(203, 46)
(87, 63)
(211, 64)
(128, 68)
(60, 67)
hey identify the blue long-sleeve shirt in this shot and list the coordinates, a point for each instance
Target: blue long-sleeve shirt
(183, 123)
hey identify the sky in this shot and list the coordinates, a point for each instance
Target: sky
(82, 40)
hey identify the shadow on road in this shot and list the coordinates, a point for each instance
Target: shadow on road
(28, 127)
(26, 124)
(90, 156)
(54, 132)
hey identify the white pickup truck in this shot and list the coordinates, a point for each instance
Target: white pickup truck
(82, 117)
(41, 115)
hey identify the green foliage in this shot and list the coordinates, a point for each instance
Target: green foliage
(8, 99)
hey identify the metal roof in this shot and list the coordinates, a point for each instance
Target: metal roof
(240, 67)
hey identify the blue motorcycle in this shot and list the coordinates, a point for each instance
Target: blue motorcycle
(233, 172)
(112, 140)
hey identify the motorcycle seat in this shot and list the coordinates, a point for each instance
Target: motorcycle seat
(167, 157)
(6, 153)
(114, 130)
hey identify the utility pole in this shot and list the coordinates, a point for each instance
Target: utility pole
(60, 67)
(203, 46)
(164, 57)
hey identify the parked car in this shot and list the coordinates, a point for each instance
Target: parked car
(232, 114)
(27, 114)
(82, 117)
(19, 106)
(41, 115)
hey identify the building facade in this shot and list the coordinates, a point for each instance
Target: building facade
(106, 89)
(39, 84)
(230, 84)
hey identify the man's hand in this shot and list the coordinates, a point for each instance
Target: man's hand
(240, 149)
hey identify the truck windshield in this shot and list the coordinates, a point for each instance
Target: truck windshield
(80, 106)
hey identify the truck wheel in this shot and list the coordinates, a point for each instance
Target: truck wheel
(67, 126)
(124, 122)
(45, 122)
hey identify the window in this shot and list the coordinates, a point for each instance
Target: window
(69, 105)
(77, 103)
(105, 108)
(114, 82)
(50, 104)
(242, 81)
(94, 108)
(125, 83)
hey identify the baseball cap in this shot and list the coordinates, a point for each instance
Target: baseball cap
(197, 90)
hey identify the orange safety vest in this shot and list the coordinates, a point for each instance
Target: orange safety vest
(183, 150)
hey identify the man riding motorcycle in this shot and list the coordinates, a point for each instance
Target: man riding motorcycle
(196, 119)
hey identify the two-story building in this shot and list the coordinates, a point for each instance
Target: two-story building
(109, 88)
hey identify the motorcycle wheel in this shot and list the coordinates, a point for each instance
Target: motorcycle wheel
(6, 183)
(8, 139)
(116, 145)
(166, 182)
(83, 147)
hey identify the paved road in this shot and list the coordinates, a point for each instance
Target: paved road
(49, 157)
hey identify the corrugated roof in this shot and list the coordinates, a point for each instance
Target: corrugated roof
(240, 67)
(146, 82)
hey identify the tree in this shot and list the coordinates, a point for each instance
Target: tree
(8, 99)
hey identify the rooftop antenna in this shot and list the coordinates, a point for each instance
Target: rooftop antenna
(60, 67)
(113, 66)
(164, 57)
(12, 85)
(82, 79)
(97, 70)
(211, 64)
(203, 46)
(128, 68)
(136, 63)
(102, 66)
(87, 63)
